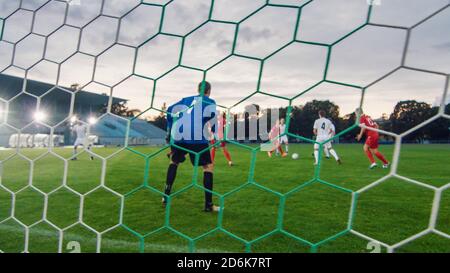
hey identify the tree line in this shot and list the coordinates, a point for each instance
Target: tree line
(406, 115)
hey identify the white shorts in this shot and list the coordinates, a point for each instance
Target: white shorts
(284, 140)
(79, 142)
(327, 145)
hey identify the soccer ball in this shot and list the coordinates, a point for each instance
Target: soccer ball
(295, 156)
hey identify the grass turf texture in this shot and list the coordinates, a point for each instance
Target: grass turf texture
(313, 211)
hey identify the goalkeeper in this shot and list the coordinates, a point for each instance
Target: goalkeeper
(190, 132)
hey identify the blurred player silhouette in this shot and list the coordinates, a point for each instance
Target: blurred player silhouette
(332, 134)
(221, 124)
(80, 130)
(284, 139)
(324, 131)
(189, 132)
(274, 137)
(371, 145)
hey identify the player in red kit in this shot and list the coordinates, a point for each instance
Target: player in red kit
(274, 136)
(372, 137)
(221, 122)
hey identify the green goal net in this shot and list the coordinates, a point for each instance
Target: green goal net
(112, 203)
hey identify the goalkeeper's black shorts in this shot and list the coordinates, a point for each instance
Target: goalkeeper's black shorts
(179, 155)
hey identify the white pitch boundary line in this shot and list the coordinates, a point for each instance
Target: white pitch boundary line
(108, 242)
(367, 238)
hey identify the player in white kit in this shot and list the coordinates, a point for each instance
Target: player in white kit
(324, 130)
(81, 130)
(284, 139)
(332, 134)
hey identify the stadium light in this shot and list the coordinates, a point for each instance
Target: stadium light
(40, 116)
(92, 120)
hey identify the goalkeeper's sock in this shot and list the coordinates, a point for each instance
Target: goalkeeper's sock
(208, 184)
(287, 148)
(316, 156)
(381, 157)
(370, 156)
(327, 153)
(171, 175)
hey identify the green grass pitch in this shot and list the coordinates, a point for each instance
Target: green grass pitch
(390, 212)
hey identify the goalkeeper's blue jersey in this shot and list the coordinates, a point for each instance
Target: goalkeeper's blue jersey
(191, 119)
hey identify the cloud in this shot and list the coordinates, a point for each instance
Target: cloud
(363, 57)
(250, 35)
(443, 46)
(7, 7)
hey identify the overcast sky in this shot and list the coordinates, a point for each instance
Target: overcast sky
(360, 59)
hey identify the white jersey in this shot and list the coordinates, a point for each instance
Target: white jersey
(324, 128)
(333, 131)
(80, 130)
(283, 139)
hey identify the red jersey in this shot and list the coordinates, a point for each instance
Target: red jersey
(368, 121)
(274, 132)
(221, 123)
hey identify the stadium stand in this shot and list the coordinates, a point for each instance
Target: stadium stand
(110, 130)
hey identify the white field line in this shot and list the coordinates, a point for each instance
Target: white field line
(110, 243)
